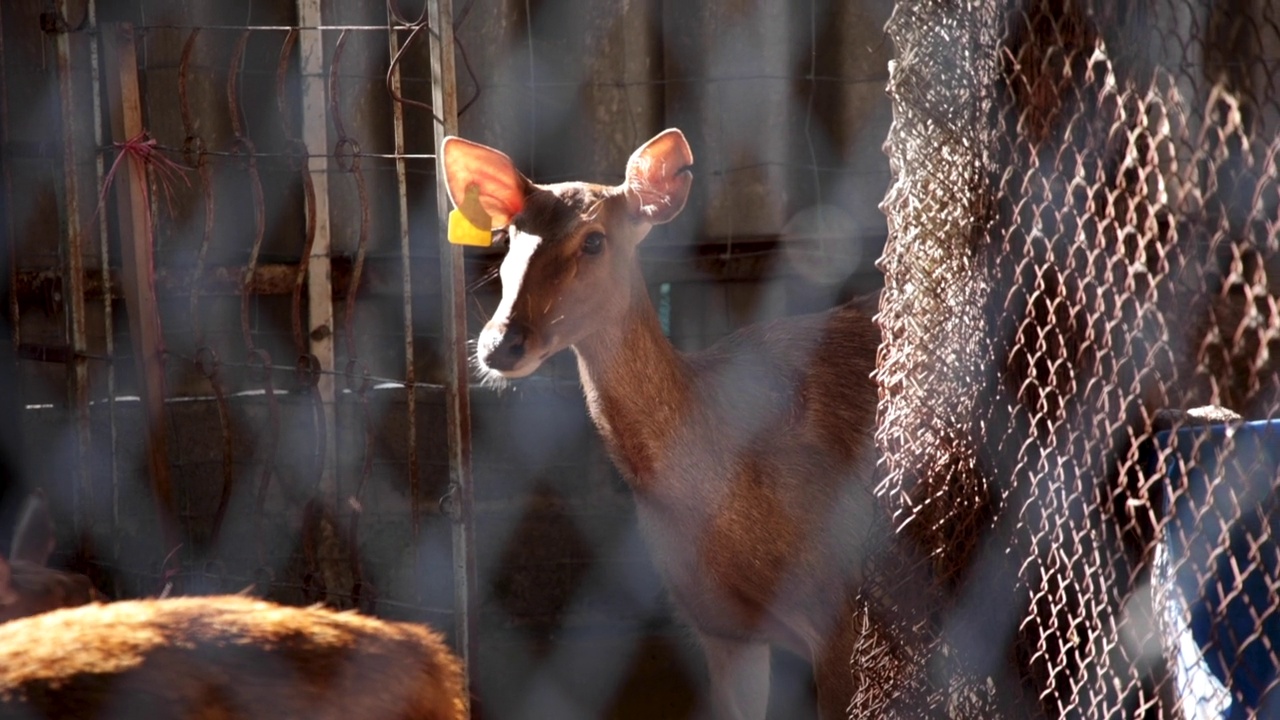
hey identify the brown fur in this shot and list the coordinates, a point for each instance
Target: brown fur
(27, 587)
(752, 463)
(224, 658)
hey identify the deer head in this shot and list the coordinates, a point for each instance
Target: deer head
(571, 259)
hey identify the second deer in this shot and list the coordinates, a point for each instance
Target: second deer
(751, 463)
(226, 657)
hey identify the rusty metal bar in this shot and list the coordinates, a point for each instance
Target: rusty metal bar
(406, 279)
(43, 287)
(73, 284)
(9, 238)
(11, 400)
(124, 97)
(705, 262)
(39, 286)
(315, 136)
(444, 99)
(104, 275)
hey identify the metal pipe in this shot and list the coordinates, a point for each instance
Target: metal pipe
(444, 98)
(104, 273)
(406, 279)
(72, 269)
(315, 137)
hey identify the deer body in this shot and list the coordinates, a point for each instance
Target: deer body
(223, 658)
(745, 465)
(751, 462)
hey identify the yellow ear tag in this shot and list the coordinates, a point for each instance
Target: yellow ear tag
(469, 224)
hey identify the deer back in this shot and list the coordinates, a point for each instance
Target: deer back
(226, 657)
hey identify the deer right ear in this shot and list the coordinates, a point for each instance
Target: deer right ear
(659, 177)
(33, 538)
(8, 595)
(500, 187)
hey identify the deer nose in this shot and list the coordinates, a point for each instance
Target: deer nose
(504, 347)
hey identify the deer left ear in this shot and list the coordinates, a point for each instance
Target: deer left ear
(33, 538)
(490, 177)
(659, 177)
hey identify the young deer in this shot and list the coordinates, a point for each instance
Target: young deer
(224, 658)
(27, 586)
(751, 462)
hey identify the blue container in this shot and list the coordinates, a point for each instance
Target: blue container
(1221, 535)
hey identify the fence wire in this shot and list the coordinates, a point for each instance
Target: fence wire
(1082, 238)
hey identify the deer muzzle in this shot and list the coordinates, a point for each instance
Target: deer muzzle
(508, 348)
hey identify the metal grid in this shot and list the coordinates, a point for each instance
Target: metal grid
(193, 155)
(277, 221)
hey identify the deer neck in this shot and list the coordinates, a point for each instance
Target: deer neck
(637, 387)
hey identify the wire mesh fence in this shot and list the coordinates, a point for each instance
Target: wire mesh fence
(1082, 236)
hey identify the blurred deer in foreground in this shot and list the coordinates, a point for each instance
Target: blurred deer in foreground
(27, 586)
(227, 658)
(751, 462)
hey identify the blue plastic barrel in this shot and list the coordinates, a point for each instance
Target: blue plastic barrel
(1223, 524)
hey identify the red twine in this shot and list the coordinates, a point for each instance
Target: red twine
(167, 573)
(143, 149)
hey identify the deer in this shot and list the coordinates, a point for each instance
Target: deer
(752, 462)
(224, 657)
(27, 585)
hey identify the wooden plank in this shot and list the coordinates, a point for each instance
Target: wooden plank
(453, 286)
(125, 106)
(315, 135)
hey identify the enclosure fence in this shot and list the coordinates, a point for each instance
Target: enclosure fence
(1083, 236)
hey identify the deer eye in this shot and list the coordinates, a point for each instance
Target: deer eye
(593, 243)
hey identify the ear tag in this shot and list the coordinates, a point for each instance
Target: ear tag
(469, 224)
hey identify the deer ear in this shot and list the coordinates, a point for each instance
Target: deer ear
(499, 186)
(8, 594)
(33, 538)
(659, 176)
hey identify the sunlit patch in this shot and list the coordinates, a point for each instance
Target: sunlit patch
(485, 376)
(514, 266)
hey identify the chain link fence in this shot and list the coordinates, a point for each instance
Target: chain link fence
(1082, 238)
